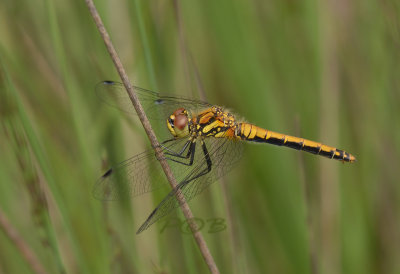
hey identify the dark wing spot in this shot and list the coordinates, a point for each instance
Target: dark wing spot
(109, 82)
(159, 101)
(108, 173)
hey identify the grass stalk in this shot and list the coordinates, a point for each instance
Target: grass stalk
(190, 66)
(150, 133)
(40, 157)
(21, 245)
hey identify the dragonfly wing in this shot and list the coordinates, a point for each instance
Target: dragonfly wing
(224, 153)
(135, 176)
(157, 106)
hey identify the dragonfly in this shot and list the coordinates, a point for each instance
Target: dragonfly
(201, 142)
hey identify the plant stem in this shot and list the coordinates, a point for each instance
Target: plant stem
(153, 140)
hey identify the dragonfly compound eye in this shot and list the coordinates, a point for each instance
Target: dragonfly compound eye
(181, 121)
(178, 123)
(179, 111)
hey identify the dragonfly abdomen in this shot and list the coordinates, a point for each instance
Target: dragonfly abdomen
(254, 133)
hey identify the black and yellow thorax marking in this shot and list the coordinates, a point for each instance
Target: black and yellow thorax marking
(214, 122)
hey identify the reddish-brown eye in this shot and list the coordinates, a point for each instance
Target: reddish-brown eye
(179, 111)
(181, 121)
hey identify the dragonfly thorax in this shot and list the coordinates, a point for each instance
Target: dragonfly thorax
(214, 122)
(178, 123)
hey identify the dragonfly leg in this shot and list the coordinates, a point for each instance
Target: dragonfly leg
(203, 172)
(208, 160)
(155, 215)
(167, 141)
(179, 154)
(191, 153)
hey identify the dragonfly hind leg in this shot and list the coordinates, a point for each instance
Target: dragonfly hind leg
(167, 203)
(204, 171)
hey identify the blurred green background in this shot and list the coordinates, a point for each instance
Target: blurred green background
(327, 70)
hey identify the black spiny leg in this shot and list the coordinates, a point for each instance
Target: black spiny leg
(179, 154)
(203, 172)
(167, 141)
(191, 153)
(166, 205)
(208, 160)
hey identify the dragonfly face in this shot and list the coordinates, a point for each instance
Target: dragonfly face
(206, 144)
(178, 123)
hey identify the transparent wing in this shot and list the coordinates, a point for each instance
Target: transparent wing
(223, 153)
(142, 173)
(135, 176)
(156, 105)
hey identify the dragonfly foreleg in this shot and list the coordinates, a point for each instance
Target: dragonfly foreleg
(179, 154)
(191, 153)
(167, 141)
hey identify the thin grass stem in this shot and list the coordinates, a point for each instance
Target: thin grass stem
(21, 245)
(153, 140)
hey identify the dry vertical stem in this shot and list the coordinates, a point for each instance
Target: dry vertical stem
(306, 193)
(330, 33)
(189, 62)
(21, 245)
(186, 54)
(153, 140)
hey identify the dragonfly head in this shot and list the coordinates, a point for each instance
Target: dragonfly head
(178, 123)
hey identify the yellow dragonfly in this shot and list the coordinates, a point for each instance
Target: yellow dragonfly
(201, 142)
